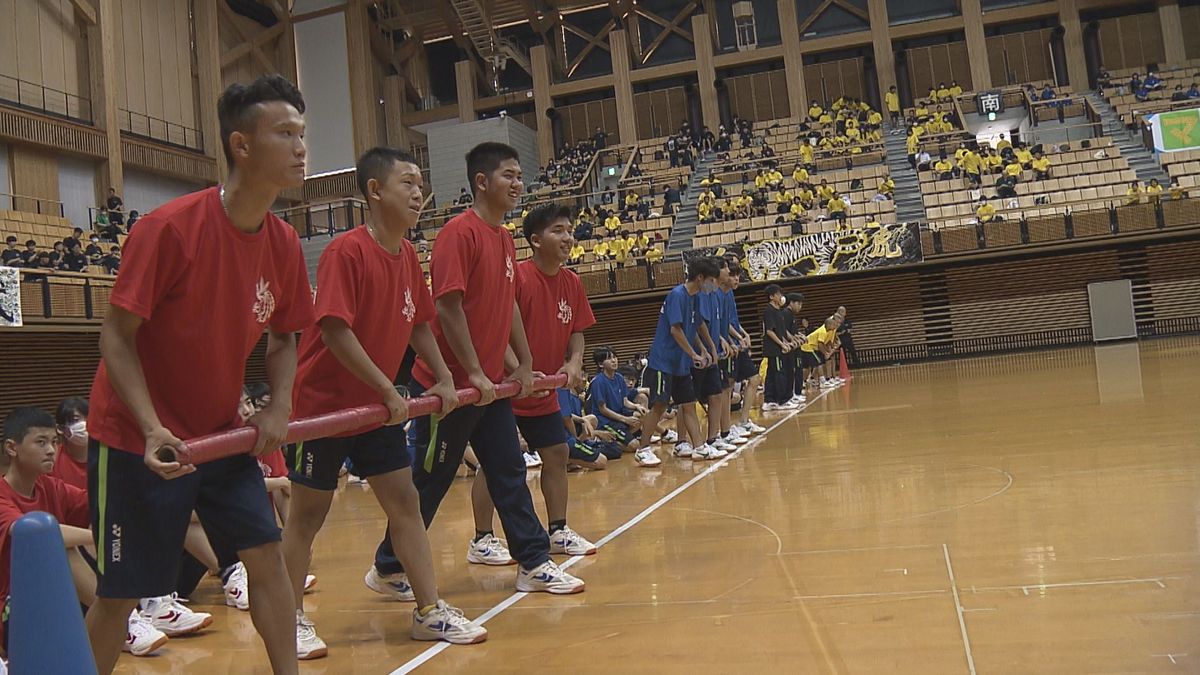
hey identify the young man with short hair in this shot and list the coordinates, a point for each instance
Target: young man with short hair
(744, 371)
(814, 351)
(711, 381)
(371, 302)
(609, 401)
(795, 304)
(218, 254)
(674, 352)
(555, 310)
(777, 348)
(474, 287)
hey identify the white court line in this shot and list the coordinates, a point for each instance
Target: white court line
(513, 599)
(1071, 584)
(958, 608)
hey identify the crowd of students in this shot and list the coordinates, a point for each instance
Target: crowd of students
(66, 255)
(143, 525)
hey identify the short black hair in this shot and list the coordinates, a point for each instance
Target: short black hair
(377, 162)
(68, 407)
(257, 391)
(10, 239)
(235, 108)
(601, 354)
(21, 420)
(720, 262)
(30, 242)
(706, 267)
(772, 289)
(486, 158)
(795, 297)
(543, 216)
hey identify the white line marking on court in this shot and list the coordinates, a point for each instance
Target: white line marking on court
(1169, 656)
(958, 609)
(876, 594)
(1070, 584)
(855, 550)
(902, 570)
(433, 650)
(973, 502)
(778, 541)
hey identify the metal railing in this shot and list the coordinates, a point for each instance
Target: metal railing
(34, 96)
(156, 129)
(328, 218)
(51, 296)
(25, 204)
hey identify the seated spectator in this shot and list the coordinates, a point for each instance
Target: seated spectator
(601, 250)
(986, 213)
(510, 226)
(1154, 191)
(887, 187)
(783, 201)
(75, 238)
(1047, 93)
(612, 224)
(955, 90)
(1134, 194)
(632, 200)
(1006, 187)
(943, 92)
(30, 254)
(712, 183)
(1177, 191)
(12, 255)
(464, 197)
(825, 191)
(943, 168)
(112, 262)
(583, 230)
(1013, 169)
(837, 208)
(116, 208)
(133, 218)
(577, 252)
(56, 256)
(93, 250)
(1041, 166)
(587, 448)
(1152, 81)
(74, 260)
(1179, 94)
(1194, 91)
(815, 110)
(610, 400)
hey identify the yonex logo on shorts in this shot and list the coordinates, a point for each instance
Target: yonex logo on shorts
(115, 549)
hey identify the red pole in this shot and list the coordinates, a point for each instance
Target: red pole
(240, 441)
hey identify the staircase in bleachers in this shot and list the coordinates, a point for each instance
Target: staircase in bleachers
(686, 218)
(909, 206)
(1140, 159)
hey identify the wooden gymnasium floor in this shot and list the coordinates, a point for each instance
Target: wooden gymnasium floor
(1031, 513)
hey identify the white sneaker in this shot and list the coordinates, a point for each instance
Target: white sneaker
(706, 452)
(445, 622)
(788, 406)
(309, 645)
(490, 550)
(310, 582)
(532, 460)
(752, 428)
(797, 399)
(141, 637)
(170, 616)
(828, 384)
(670, 436)
(736, 439)
(721, 444)
(646, 457)
(770, 406)
(236, 594)
(394, 586)
(548, 578)
(568, 542)
(684, 449)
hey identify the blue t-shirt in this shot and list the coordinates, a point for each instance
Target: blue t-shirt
(611, 392)
(728, 313)
(712, 313)
(569, 404)
(666, 356)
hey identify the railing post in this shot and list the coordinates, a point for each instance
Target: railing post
(1112, 220)
(87, 299)
(1024, 223)
(1160, 218)
(1069, 226)
(46, 297)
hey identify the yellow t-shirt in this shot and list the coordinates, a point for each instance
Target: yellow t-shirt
(956, 90)
(631, 199)
(783, 197)
(510, 226)
(993, 160)
(806, 153)
(943, 166)
(800, 175)
(1013, 170)
(577, 252)
(805, 195)
(775, 177)
(1041, 164)
(1153, 192)
(703, 210)
(819, 336)
(893, 101)
(1133, 195)
(824, 192)
(796, 210)
(985, 212)
(760, 181)
(612, 223)
(874, 118)
(601, 249)
(836, 205)
(654, 255)
(643, 241)
(815, 111)
(1024, 156)
(825, 119)
(887, 186)
(1003, 144)
(912, 143)
(970, 163)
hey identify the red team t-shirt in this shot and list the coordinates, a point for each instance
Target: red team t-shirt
(207, 292)
(552, 308)
(65, 502)
(381, 297)
(478, 260)
(69, 471)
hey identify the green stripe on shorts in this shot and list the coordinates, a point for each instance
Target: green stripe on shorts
(433, 428)
(102, 506)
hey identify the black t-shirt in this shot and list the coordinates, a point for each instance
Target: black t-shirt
(74, 262)
(775, 321)
(9, 255)
(114, 202)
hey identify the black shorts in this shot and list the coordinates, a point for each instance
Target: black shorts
(708, 382)
(543, 431)
(620, 430)
(668, 388)
(811, 359)
(139, 520)
(318, 463)
(727, 369)
(744, 368)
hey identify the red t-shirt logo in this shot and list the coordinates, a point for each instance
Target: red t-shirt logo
(508, 267)
(565, 313)
(264, 301)
(410, 308)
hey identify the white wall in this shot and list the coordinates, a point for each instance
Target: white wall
(449, 144)
(324, 73)
(77, 189)
(145, 191)
(5, 180)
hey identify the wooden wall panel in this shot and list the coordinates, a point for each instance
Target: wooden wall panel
(1020, 57)
(660, 112)
(827, 81)
(1131, 41)
(1190, 18)
(929, 66)
(41, 42)
(579, 120)
(34, 173)
(154, 61)
(760, 96)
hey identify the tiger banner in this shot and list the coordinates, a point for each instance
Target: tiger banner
(822, 252)
(10, 297)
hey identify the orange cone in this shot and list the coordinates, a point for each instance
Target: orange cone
(843, 367)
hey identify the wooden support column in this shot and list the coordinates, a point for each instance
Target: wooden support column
(364, 101)
(102, 64)
(208, 66)
(1172, 31)
(623, 86)
(464, 79)
(393, 112)
(793, 59)
(540, 60)
(981, 73)
(705, 72)
(881, 41)
(1068, 16)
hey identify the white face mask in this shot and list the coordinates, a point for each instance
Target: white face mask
(78, 429)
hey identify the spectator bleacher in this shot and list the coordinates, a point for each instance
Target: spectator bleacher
(1119, 89)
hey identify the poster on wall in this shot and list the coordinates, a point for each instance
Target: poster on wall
(823, 252)
(10, 297)
(1176, 130)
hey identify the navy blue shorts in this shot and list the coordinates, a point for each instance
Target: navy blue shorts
(744, 368)
(708, 382)
(620, 430)
(317, 463)
(811, 359)
(668, 388)
(543, 431)
(726, 368)
(139, 520)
